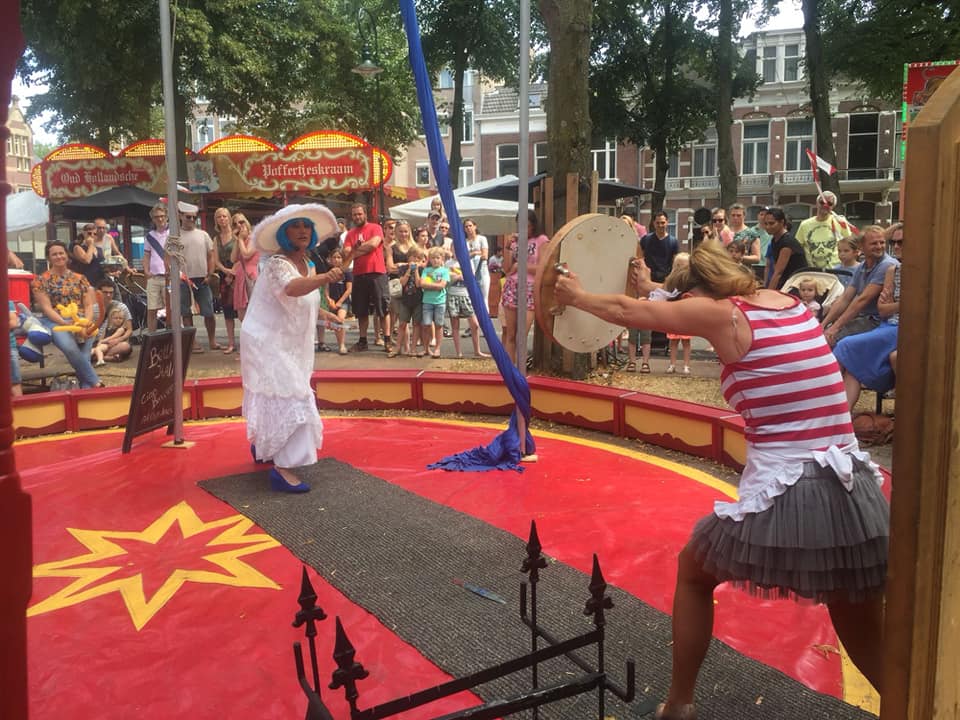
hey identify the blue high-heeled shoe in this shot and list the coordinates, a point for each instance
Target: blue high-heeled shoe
(256, 459)
(278, 484)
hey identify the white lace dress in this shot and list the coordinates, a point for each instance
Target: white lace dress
(277, 361)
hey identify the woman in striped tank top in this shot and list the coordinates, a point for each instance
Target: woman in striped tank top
(811, 521)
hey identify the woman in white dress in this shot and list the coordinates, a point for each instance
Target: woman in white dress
(280, 408)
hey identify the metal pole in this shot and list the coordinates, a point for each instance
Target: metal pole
(170, 140)
(523, 190)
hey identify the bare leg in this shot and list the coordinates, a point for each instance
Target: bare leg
(508, 320)
(231, 326)
(455, 330)
(645, 352)
(852, 387)
(211, 324)
(860, 628)
(673, 352)
(692, 627)
(475, 336)
(362, 324)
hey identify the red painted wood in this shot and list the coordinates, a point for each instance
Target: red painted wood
(15, 519)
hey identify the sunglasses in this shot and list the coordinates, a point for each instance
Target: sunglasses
(719, 220)
(239, 222)
(189, 217)
(821, 203)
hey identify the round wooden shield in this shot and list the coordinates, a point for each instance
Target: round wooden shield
(598, 248)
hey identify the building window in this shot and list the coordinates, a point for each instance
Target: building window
(704, 161)
(791, 63)
(466, 172)
(752, 216)
(541, 158)
(798, 212)
(756, 148)
(605, 160)
(861, 212)
(468, 125)
(445, 80)
(423, 175)
(799, 140)
(508, 160)
(671, 222)
(673, 165)
(205, 132)
(770, 64)
(862, 146)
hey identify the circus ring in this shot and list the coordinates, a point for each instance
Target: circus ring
(124, 589)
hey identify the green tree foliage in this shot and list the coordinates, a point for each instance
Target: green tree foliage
(732, 76)
(870, 41)
(644, 83)
(468, 34)
(280, 67)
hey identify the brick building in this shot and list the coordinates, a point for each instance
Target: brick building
(771, 131)
(19, 148)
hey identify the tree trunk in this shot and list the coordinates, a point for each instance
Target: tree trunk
(456, 119)
(568, 122)
(661, 163)
(568, 106)
(726, 166)
(819, 93)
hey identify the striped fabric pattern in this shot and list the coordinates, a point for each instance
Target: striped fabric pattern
(788, 386)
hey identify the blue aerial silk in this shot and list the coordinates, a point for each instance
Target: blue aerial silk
(504, 452)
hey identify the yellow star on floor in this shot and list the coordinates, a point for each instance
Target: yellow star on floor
(93, 577)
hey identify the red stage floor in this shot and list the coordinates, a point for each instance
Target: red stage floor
(152, 597)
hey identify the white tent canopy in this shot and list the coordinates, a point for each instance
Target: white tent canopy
(25, 211)
(493, 217)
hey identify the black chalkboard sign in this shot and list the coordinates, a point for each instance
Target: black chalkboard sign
(151, 404)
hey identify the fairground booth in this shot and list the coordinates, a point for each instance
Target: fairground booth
(248, 174)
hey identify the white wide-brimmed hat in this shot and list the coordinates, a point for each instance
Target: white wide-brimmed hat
(323, 220)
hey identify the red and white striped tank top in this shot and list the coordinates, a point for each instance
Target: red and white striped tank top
(788, 387)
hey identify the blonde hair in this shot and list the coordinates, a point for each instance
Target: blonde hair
(714, 272)
(680, 261)
(435, 252)
(806, 280)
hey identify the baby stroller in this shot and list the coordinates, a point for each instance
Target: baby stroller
(829, 286)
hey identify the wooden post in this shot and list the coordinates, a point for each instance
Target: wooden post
(548, 226)
(15, 513)
(594, 191)
(922, 632)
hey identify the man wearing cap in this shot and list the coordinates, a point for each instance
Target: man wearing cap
(199, 258)
(363, 245)
(433, 228)
(819, 235)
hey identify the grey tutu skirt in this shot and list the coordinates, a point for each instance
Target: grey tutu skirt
(817, 540)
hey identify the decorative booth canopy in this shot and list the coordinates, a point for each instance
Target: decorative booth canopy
(322, 162)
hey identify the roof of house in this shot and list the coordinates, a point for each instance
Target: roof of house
(504, 99)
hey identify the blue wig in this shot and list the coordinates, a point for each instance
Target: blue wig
(284, 243)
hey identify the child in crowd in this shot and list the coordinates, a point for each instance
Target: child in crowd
(433, 281)
(736, 250)
(681, 261)
(849, 251)
(16, 387)
(112, 341)
(410, 307)
(337, 297)
(808, 295)
(460, 306)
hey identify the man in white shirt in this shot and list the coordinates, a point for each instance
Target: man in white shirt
(155, 267)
